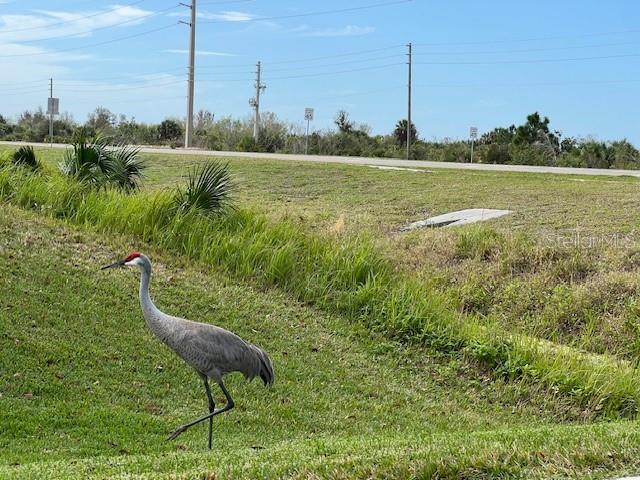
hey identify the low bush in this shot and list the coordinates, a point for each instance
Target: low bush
(26, 157)
(208, 189)
(94, 162)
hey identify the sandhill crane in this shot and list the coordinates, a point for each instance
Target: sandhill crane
(212, 351)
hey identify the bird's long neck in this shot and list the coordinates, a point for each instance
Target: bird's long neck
(151, 313)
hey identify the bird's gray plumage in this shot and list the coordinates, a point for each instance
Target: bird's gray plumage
(211, 350)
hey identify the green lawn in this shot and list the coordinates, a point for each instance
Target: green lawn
(84, 384)
(86, 391)
(564, 266)
(382, 201)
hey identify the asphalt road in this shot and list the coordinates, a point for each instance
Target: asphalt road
(384, 162)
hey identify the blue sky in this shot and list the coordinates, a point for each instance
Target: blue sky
(476, 63)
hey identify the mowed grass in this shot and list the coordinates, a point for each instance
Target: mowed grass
(564, 266)
(382, 201)
(85, 390)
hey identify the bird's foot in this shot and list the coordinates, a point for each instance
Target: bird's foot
(179, 431)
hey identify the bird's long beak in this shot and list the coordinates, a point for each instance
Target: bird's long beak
(117, 264)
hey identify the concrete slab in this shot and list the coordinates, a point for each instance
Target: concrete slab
(380, 167)
(461, 217)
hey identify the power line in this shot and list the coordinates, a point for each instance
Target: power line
(82, 47)
(528, 50)
(225, 2)
(93, 89)
(321, 74)
(312, 59)
(26, 82)
(77, 19)
(137, 100)
(310, 14)
(120, 77)
(524, 40)
(348, 62)
(546, 60)
(137, 87)
(526, 84)
(73, 35)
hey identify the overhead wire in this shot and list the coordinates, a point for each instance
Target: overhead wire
(545, 60)
(525, 40)
(321, 74)
(73, 20)
(83, 47)
(308, 14)
(527, 50)
(93, 30)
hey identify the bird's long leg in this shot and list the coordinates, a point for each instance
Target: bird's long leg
(212, 408)
(229, 405)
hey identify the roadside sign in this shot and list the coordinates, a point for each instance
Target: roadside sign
(53, 106)
(473, 133)
(308, 114)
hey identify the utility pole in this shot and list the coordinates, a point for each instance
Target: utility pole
(255, 102)
(192, 67)
(50, 113)
(409, 103)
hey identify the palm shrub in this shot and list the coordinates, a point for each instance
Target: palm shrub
(95, 163)
(127, 168)
(209, 189)
(26, 157)
(88, 160)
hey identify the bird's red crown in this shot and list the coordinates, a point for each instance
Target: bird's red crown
(131, 256)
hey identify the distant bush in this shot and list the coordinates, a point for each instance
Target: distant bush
(532, 143)
(493, 154)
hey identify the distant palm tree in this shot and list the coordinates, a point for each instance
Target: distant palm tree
(400, 132)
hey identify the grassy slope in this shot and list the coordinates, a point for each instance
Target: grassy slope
(81, 391)
(564, 266)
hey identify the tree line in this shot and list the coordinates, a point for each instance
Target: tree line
(533, 142)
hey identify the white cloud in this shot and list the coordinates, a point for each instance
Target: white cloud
(229, 16)
(15, 54)
(47, 24)
(26, 67)
(203, 53)
(348, 31)
(299, 29)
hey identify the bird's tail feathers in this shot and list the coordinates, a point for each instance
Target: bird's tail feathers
(266, 368)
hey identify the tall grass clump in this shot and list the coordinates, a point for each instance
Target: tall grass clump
(348, 277)
(94, 162)
(26, 157)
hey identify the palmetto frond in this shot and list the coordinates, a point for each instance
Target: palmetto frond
(208, 190)
(94, 162)
(26, 157)
(127, 167)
